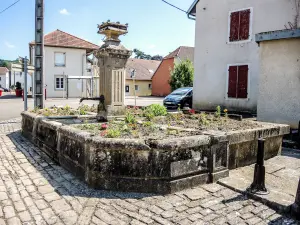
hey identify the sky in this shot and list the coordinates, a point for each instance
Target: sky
(154, 27)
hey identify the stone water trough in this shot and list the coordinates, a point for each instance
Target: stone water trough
(153, 166)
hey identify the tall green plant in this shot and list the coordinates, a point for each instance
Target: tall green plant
(182, 75)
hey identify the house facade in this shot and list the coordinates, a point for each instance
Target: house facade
(227, 57)
(67, 74)
(141, 85)
(4, 77)
(160, 80)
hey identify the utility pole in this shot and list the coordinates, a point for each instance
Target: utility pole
(132, 75)
(25, 83)
(39, 55)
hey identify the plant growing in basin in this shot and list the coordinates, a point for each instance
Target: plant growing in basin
(18, 89)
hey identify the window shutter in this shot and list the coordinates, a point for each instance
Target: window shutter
(244, 25)
(232, 82)
(242, 82)
(234, 26)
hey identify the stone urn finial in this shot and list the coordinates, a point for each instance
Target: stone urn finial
(112, 31)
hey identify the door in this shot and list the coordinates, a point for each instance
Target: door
(127, 90)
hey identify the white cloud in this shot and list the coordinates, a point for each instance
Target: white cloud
(64, 12)
(100, 43)
(9, 45)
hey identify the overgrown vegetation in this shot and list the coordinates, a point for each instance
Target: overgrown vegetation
(182, 75)
(65, 111)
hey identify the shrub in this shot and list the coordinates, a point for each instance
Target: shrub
(113, 133)
(218, 111)
(156, 110)
(129, 118)
(203, 119)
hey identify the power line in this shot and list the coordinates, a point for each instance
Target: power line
(174, 6)
(9, 6)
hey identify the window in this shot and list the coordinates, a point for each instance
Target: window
(150, 86)
(59, 83)
(238, 81)
(239, 25)
(59, 59)
(136, 87)
(0, 78)
(127, 88)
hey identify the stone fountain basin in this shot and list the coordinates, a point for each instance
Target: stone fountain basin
(152, 166)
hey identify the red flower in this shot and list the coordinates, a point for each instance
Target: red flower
(192, 111)
(136, 107)
(104, 126)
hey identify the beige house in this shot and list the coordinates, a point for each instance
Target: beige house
(68, 72)
(142, 83)
(226, 55)
(279, 81)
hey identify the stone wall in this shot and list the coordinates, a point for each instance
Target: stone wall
(160, 166)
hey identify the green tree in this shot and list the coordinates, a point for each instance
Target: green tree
(182, 75)
(142, 55)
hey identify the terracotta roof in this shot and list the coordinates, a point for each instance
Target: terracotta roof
(183, 52)
(60, 38)
(3, 70)
(145, 69)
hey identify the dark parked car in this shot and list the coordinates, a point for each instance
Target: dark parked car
(4, 89)
(181, 97)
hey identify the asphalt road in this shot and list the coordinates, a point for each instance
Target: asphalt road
(11, 107)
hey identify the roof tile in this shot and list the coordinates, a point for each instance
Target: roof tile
(145, 69)
(60, 38)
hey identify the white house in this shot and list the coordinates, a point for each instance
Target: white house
(4, 77)
(226, 54)
(66, 70)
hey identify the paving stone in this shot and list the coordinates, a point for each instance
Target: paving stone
(28, 201)
(194, 217)
(155, 209)
(185, 222)
(97, 221)
(136, 222)
(168, 214)
(196, 194)
(33, 210)
(14, 221)
(220, 220)
(41, 204)
(9, 212)
(165, 205)
(266, 214)
(253, 220)
(19, 206)
(68, 217)
(24, 216)
(60, 205)
(3, 196)
(105, 217)
(210, 217)
(2, 222)
(45, 189)
(49, 197)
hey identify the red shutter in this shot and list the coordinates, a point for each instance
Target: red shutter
(242, 91)
(244, 25)
(234, 26)
(232, 82)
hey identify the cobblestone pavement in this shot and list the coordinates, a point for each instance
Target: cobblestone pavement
(34, 190)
